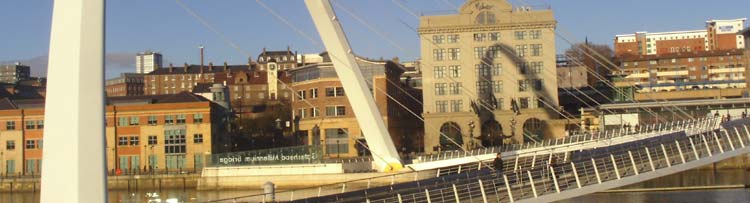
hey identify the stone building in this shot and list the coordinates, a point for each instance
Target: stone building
(477, 64)
(128, 84)
(323, 114)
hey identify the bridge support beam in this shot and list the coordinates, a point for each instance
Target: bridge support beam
(368, 116)
(74, 150)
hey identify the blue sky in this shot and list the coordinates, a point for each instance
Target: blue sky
(162, 25)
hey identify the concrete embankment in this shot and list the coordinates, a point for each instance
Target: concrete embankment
(135, 182)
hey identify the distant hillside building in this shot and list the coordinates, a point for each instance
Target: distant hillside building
(146, 62)
(718, 35)
(14, 72)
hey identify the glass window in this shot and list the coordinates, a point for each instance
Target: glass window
(483, 87)
(521, 50)
(439, 71)
(198, 118)
(535, 34)
(314, 93)
(122, 141)
(524, 103)
(330, 92)
(480, 37)
(152, 140)
(494, 36)
(135, 120)
(152, 120)
(455, 88)
(30, 144)
(181, 118)
(440, 88)
(30, 125)
(340, 110)
(198, 138)
(174, 141)
(438, 54)
(454, 71)
(337, 141)
(497, 86)
(169, 119)
(339, 91)
(135, 140)
(523, 85)
(438, 39)
(456, 105)
(441, 106)
(451, 39)
(10, 145)
(454, 54)
(520, 35)
(536, 49)
(479, 52)
(10, 125)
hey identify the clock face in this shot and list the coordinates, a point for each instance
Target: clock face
(272, 67)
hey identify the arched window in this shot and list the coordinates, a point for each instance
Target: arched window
(533, 130)
(485, 17)
(450, 136)
(492, 133)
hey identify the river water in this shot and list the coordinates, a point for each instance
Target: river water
(686, 179)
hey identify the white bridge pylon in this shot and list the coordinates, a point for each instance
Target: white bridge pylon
(74, 166)
(379, 141)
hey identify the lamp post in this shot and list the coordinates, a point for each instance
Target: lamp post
(472, 144)
(2, 159)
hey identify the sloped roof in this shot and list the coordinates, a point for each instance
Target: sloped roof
(196, 69)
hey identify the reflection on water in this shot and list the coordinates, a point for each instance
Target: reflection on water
(689, 178)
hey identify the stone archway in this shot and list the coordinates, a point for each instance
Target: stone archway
(533, 130)
(453, 131)
(492, 133)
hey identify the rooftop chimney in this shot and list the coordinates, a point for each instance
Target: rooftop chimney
(171, 68)
(186, 67)
(225, 66)
(210, 67)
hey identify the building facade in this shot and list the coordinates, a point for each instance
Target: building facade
(13, 73)
(146, 62)
(571, 75)
(323, 114)
(700, 70)
(144, 134)
(128, 84)
(479, 62)
(718, 35)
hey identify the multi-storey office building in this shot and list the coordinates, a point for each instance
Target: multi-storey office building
(144, 133)
(148, 61)
(479, 62)
(128, 84)
(13, 73)
(718, 35)
(323, 113)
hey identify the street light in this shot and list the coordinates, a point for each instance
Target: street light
(471, 135)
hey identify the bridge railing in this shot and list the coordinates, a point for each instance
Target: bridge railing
(691, 127)
(667, 155)
(704, 124)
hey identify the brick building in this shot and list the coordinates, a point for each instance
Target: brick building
(158, 132)
(128, 84)
(717, 35)
(323, 113)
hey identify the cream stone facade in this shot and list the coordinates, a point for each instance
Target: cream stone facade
(480, 61)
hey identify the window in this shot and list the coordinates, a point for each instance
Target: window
(523, 103)
(538, 84)
(483, 87)
(135, 141)
(452, 39)
(535, 34)
(480, 37)
(520, 35)
(301, 95)
(493, 52)
(30, 125)
(439, 72)
(169, 119)
(152, 140)
(521, 50)
(441, 106)
(339, 91)
(198, 138)
(454, 71)
(536, 49)
(456, 105)
(10, 125)
(455, 88)
(122, 121)
(10, 145)
(135, 120)
(198, 118)
(152, 120)
(438, 39)
(494, 36)
(174, 141)
(122, 141)
(522, 68)
(535, 67)
(487, 70)
(440, 88)
(181, 118)
(30, 144)
(330, 92)
(497, 86)
(335, 110)
(454, 54)
(314, 112)
(485, 17)
(479, 52)
(438, 54)
(523, 85)
(337, 140)
(314, 93)
(301, 113)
